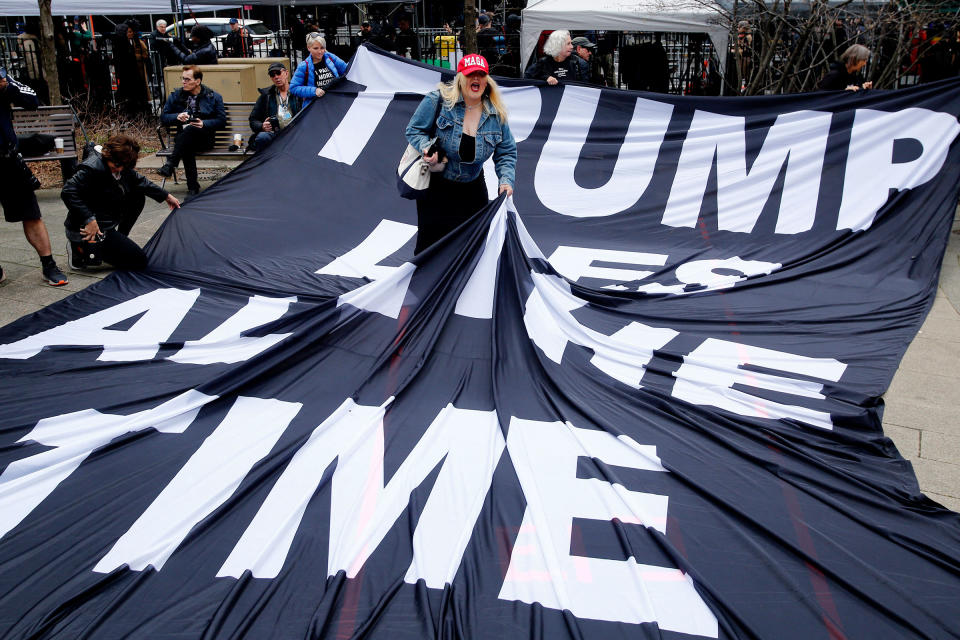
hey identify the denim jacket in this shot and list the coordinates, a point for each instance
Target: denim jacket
(493, 138)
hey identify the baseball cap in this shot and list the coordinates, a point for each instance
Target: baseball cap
(275, 66)
(483, 19)
(473, 62)
(233, 21)
(580, 41)
(3, 73)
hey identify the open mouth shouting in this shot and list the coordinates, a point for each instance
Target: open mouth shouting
(477, 84)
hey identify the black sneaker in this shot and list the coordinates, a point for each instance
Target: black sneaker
(53, 275)
(166, 170)
(75, 259)
(3, 276)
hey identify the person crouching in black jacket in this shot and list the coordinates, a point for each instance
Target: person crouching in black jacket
(104, 198)
(275, 108)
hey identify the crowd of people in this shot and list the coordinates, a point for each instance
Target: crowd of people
(456, 129)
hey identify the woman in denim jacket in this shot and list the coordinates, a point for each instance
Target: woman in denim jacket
(471, 126)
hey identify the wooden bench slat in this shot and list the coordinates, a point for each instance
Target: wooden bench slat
(238, 121)
(57, 120)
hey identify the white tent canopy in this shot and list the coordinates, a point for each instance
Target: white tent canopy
(622, 15)
(99, 7)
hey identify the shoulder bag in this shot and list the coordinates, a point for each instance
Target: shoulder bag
(413, 173)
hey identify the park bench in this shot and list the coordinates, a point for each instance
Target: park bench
(238, 121)
(59, 121)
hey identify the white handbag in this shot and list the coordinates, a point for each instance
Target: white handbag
(413, 173)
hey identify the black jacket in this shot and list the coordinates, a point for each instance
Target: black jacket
(15, 95)
(236, 46)
(547, 66)
(205, 54)
(266, 106)
(838, 79)
(93, 193)
(210, 108)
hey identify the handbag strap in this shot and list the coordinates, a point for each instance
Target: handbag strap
(436, 114)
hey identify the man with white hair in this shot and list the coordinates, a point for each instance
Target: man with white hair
(557, 66)
(158, 34)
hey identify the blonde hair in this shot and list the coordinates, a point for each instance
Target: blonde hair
(452, 93)
(313, 36)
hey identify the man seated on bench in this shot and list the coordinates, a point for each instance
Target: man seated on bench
(104, 198)
(17, 199)
(198, 112)
(275, 107)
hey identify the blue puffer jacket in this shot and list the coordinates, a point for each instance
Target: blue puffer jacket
(493, 138)
(302, 84)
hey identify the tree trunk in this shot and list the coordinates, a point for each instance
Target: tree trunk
(469, 26)
(48, 52)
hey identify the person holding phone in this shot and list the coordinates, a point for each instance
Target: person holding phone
(198, 112)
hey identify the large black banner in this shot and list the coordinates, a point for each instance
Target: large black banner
(640, 399)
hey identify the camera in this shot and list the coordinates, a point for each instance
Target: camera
(274, 123)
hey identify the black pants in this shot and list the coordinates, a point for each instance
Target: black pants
(446, 206)
(186, 144)
(116, 249)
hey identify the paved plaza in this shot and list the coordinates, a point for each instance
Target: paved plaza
(922, 412)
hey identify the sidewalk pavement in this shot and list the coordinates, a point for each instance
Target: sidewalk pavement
(922, 414)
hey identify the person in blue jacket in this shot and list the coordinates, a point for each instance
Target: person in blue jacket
(470, 127)
(315, 74)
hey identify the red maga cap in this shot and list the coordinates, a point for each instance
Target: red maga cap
(473, 62)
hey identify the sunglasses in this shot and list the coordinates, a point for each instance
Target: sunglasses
(274, 73)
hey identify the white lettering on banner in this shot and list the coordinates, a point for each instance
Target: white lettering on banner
(248, 432)
(542, 569)
(354, 131)
(554, 178)
(162, 309)
(466, 445)
(476, 299)
(362, 261)
(551, 325)
(26, 483)
(704, 272)
(381, 77)
(574, 263)
(384, 296)
(798, 140)
(225, 344)
(385, 292)
(871, 172)
(363, 507)
(709, 372)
